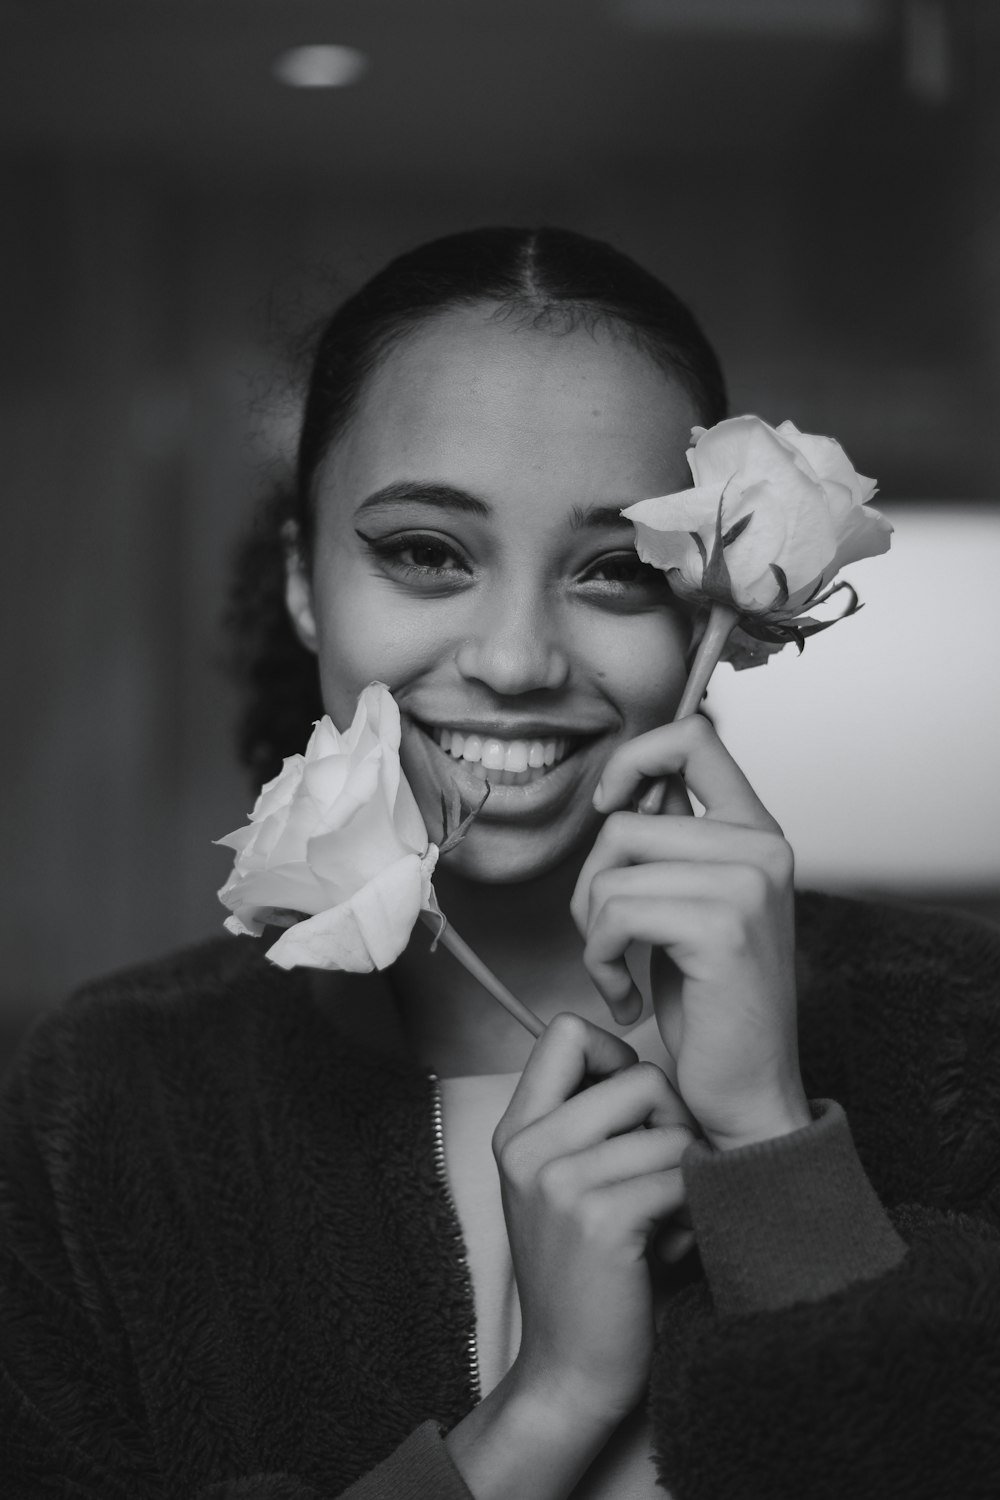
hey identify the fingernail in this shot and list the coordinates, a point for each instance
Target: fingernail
(628, 1010)
(598, 796)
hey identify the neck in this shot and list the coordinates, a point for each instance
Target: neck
(525, 934)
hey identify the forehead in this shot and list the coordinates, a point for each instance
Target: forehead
(505, 410)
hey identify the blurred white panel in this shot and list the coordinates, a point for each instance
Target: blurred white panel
(878, 750)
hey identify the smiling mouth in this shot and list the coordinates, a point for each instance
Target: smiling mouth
(503, 762)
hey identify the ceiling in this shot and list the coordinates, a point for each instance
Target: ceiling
(522, 90)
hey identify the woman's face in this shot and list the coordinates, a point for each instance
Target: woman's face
(469, 554)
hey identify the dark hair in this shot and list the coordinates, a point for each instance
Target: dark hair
(545, 278)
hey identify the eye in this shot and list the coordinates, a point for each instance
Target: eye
(417, 555)
(625, 570)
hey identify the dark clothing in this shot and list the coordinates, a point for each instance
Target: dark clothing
(229, 1265)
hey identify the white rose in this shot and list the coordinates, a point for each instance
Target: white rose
(773, 516)
(336, 836)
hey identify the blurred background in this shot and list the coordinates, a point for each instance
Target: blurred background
(188, 184)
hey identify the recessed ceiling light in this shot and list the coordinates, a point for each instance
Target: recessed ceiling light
(319, 67)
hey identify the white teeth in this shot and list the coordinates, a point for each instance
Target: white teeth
(512, 757)
(516, 758)
(494, 754)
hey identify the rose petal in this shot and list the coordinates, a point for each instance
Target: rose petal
(791, 514)
(238, 839)
(337, 835)
(367, 844)
(367, 932)
(830, 463)
(801, 503)
(664, 527)
(280, 790)
(867, 535)
(739, 446)
(290, 886)
(249, 928)
(338, 785)
(407, 817)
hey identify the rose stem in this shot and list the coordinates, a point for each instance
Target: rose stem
(471, 961)
(669, 790)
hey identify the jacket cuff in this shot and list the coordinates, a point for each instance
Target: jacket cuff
(793, 1219)
(419, 1469)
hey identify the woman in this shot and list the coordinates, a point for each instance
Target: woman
(254, 1240)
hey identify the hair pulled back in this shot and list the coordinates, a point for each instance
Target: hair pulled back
(550, 279)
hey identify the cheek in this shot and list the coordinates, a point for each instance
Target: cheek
(644, 669)
(363, 637)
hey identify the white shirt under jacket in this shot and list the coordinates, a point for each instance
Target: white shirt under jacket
(471, 1108)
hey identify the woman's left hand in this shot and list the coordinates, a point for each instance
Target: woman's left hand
(713, 896)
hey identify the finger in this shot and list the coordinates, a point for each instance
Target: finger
(636, 1153)
(569, 1050)
(666, 795)
(636, 1096)
(691, 747)
(641, 1204)
(628, 838)
(622, 900)
(682, 924)
(743, 887)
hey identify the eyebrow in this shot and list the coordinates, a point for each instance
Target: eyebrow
(593, 517)
(448, 497)
(415, 492)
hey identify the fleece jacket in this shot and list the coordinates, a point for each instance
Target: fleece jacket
(230, 1268)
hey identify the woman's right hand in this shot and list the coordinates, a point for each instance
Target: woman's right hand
(584, 1187)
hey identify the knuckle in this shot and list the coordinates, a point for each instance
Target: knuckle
(498, 1141)
(780, 858)
(752, 887)
(554, 1181)
(615, 908)
(500, 1144)
(652, 1078)
(698, 730)
(600, 937)
(601, 889)
(567, 1029)
(510, 1158)
(616, 829)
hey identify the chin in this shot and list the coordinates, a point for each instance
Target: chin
(490, 856)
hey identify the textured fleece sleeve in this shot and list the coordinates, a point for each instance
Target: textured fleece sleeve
(833, 1350)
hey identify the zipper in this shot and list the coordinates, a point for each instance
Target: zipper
(437, 1126)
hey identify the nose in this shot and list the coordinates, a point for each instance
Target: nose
(514, 646)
